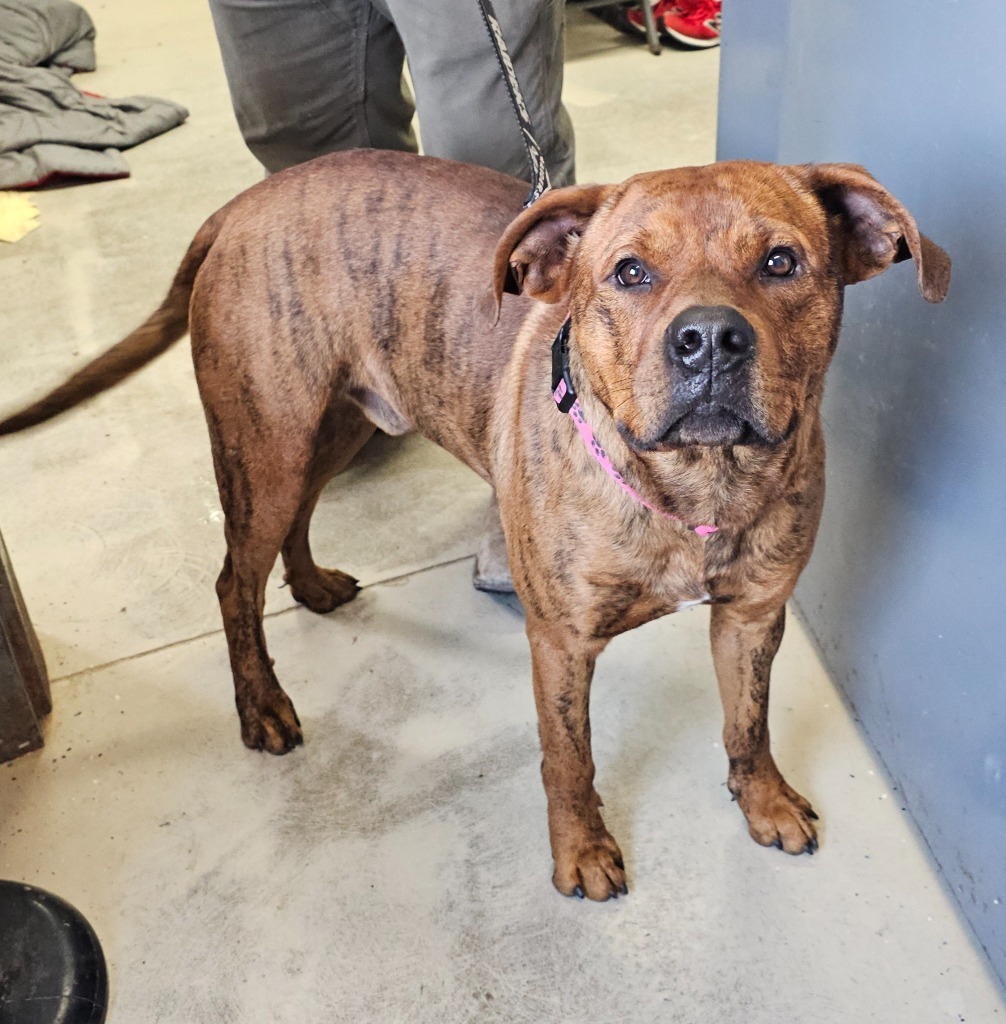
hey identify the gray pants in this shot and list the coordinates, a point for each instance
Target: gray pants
(311, 76)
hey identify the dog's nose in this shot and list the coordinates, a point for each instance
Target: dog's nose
(701, 338)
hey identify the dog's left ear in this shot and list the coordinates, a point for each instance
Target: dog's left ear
(874, 229)
(533, 256)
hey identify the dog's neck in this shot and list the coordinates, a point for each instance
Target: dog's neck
(566, 400)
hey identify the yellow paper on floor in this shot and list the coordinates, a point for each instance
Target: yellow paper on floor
(18, 216)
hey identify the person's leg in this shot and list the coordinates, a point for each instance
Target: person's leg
(308, 77)
(464, 109)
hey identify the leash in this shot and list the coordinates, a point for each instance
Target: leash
(539, 173)
(562, 384)
(567, 402)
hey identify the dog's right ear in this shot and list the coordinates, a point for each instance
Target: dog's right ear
(533, 256)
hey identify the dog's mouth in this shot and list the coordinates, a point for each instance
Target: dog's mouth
(707, 425)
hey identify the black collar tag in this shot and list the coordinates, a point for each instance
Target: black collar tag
(564, 396)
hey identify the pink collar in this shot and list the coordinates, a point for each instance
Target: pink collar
(565, 398)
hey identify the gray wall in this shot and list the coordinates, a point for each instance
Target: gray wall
(904, 594)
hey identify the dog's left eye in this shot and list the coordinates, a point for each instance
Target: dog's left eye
(631, 274)
(780, 263)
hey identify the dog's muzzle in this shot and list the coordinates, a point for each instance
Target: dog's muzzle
(710, 350)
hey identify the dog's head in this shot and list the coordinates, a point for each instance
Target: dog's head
(706, 301)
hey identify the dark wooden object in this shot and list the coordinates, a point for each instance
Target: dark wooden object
(24, 682)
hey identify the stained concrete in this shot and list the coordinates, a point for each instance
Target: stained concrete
(397, 867)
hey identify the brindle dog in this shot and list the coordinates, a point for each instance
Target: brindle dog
(366, 290)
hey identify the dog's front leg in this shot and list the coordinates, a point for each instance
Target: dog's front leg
(588, 861)
(744, 642)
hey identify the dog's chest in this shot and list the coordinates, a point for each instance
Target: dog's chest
(644, 590)
(621, 609)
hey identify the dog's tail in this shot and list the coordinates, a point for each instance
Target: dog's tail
(155, 335)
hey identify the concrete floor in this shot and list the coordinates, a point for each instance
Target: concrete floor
(397, 867)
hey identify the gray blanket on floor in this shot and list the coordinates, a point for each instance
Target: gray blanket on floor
(48, 128)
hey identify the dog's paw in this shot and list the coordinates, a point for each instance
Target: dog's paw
(272, 726)
(325, 590)
(778, 816)
(593, 868)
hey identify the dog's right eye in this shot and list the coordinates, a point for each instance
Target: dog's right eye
(631, 274)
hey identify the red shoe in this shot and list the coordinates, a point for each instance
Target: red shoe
(691, 23)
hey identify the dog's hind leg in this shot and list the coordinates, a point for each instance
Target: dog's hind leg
(343, 433)
(262, 453)
(259, 508)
